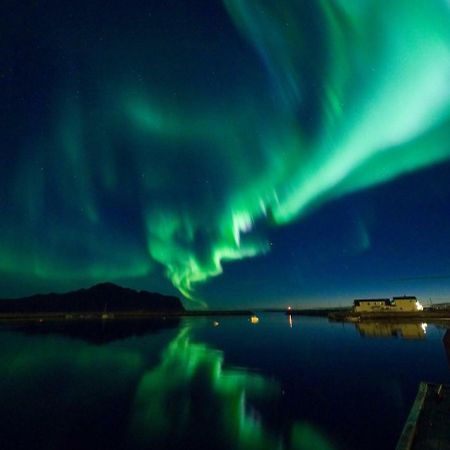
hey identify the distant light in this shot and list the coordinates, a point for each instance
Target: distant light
(424, 327)
(289, 308)
(254, 319)
(215, 323)
(419, 306)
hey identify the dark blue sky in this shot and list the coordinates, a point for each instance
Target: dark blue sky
(239, 152)
(389, 240)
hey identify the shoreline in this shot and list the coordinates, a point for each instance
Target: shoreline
(422, 316)
(333, 315)
(347, 315)
(116, 315)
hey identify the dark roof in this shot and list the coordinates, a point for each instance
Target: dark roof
(405, 297)
(371, 299)
(365, 300)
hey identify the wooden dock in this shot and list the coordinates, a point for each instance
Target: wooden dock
(413, 316)
(428, 423)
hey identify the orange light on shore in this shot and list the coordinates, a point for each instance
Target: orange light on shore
(254, 319)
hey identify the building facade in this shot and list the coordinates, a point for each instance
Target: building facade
(398, 304)
(371, 304)
(406, 304)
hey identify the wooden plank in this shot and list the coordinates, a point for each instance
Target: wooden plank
(409, 430)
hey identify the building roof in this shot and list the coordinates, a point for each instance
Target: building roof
(405, 297)
(357, 302)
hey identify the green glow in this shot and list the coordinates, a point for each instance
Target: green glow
(385, 111)
(188, 397)
(223, 407)
(171, 240)
(226, 417)
(142, 176)
(306, 437)
(386, 93)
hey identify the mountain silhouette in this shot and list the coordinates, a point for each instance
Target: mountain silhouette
(103, 297)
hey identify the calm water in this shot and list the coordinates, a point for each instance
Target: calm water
(193, 385)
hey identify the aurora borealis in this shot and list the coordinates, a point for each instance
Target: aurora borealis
(151, 143)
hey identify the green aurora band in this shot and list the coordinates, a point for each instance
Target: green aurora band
(348, 94)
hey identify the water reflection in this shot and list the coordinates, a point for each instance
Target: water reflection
(389, 329)
(176, 390)
(59, 393)
(162, 392)
(97, 331)
(192, 401)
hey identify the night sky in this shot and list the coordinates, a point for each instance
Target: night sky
(239, 152)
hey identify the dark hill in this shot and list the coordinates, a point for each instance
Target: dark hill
(101, 297)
